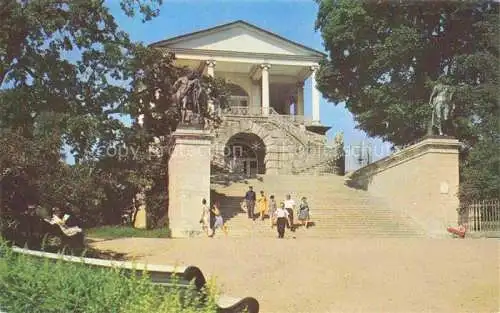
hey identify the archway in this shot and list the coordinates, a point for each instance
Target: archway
(245, 154)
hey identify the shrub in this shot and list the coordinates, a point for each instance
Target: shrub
(35, 285)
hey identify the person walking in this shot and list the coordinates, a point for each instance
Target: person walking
(292, 108)
(218, 220)
(262, 205)
(250, 201)
(282, 219)
(205, 217)
(290, 206)
(303, 213)
(273, 206)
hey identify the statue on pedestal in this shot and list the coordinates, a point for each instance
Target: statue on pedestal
(188, 98)
(441, 102)
(339, 139)
(339, 166)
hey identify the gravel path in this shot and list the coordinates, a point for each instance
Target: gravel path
(339, 275)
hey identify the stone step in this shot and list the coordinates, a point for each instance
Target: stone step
(336, 210)
(321, 226)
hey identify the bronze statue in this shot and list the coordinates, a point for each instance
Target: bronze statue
(441, 102)
(187, 96)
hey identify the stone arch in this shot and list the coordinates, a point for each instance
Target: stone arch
(246, 153)
(246, 127)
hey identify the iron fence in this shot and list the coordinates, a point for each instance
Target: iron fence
(480, 215)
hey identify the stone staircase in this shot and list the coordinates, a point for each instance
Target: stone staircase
(336, 210)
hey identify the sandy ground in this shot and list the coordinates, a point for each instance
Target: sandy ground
(339, 275)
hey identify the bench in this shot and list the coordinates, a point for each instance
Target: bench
(160, 274)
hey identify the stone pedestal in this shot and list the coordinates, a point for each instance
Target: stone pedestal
(421, 180)
(189, 181)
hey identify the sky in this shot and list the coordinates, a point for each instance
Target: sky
(292, 19)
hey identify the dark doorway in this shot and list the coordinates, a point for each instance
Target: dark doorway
(245, 153)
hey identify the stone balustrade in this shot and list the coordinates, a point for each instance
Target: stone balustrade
(253, 111)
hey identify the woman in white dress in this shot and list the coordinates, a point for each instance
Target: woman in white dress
(205, 217)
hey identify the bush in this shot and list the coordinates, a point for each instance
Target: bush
(35, 285)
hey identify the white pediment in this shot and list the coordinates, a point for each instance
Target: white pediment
(238, 37)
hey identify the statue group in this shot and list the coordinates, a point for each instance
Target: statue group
(442, 104)
(189, 98)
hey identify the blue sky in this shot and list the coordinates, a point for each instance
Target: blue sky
(291, 19)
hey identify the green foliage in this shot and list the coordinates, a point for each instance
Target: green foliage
(479, 170)
(47, 101)
(112, 232)
(41, 285)
(385, 57)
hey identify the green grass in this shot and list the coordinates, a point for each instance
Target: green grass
(30, 284)
(112, 232)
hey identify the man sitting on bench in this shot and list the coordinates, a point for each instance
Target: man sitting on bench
(60, 219)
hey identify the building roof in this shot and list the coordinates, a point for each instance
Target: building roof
(241, 23)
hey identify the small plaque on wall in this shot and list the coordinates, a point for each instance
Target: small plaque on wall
(444, 188)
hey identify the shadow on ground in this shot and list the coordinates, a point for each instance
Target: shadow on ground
(230, 205)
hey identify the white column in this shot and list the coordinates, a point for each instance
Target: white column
(315, 96)
(211, 73)
(265, 89)
(300, 98)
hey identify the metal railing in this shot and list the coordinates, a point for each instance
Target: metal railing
(480, 215)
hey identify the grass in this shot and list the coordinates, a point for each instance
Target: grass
(113, 232)
(34, 285)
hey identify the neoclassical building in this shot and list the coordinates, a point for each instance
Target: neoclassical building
(264, 130)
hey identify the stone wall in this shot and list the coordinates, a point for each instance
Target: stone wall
(284, 151)
(421, 181)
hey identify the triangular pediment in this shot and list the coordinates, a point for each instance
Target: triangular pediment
(238, 37)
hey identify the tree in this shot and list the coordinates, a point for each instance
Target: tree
(48, 100)
(150, 141)
(385, 57)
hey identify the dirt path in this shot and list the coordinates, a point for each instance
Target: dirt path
(339, 275)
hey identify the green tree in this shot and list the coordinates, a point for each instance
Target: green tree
(150, 143)
(48, 99)
(385, 57)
